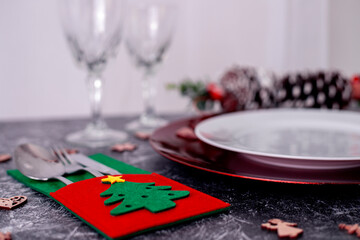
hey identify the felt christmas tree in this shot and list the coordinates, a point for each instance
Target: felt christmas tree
(135, 195)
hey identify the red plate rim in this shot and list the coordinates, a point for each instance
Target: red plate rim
(154, 143)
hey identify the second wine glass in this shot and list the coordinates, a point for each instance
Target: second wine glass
(149, 29)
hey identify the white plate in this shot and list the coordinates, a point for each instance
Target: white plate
(300, 138)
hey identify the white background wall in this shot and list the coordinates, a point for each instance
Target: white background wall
(39, 79)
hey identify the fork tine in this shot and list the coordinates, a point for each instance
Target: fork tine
(72, 166)
(53, 152)
(65, 154)
(59, 155)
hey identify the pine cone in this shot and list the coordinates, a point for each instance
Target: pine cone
(244, 89)
(313, 90)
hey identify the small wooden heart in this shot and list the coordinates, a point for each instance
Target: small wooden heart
(5, 236)
(6, 203)
(18, 200)
(13, 202)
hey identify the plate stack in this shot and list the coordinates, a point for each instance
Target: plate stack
(282, 145)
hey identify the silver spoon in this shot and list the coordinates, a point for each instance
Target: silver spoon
(38, 163)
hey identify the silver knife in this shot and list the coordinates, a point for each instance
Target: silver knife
(88, 162)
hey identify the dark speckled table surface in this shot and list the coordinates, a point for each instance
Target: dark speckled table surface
(318, 209)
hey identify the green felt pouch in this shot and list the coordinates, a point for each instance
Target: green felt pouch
(83, 198)
(46, 187)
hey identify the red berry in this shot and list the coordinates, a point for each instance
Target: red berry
(215, 91)
(356, 78)
(355, 84)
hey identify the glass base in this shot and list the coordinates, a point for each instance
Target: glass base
(95, 137)
(147, 125)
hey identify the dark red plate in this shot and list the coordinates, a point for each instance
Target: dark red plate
(197, 154)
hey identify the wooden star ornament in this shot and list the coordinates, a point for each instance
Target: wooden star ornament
(284, 229)
(112, 179)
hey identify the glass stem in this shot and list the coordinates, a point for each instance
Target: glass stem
(95, 87)
(148, 95)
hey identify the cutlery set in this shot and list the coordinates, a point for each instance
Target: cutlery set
(43, 164)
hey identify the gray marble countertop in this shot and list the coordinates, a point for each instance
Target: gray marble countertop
(318, 209)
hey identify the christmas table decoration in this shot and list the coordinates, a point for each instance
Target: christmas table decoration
(13, 202)
(249, 88)
(112, 179)
(135, 196)
(123, 147)
(186, 133)
(5, 203)
(355, 85)
(284, 229)
(5, 236)
(124, 205)
(203, 94)
(71, 150)
(142, 135)
(351, 229)
(323, 89)
(4, 157)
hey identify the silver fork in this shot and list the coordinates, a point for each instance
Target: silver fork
(70, 165)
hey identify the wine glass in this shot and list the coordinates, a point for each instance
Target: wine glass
(149, 28)
(93, 29)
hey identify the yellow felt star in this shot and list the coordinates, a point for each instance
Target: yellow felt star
(112, 179)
